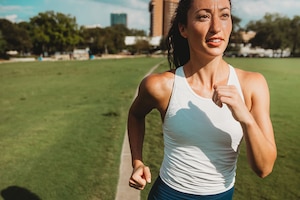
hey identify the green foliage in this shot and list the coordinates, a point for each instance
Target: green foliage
(276, 32)
(235, 37)
(56, 32)
(15, 37)
(142, 46)
(295, 35)
(110, 39)
(53, 32)
(2, 44)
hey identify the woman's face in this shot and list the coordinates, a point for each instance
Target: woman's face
(208, 27)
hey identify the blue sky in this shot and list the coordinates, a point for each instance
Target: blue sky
(97, 12)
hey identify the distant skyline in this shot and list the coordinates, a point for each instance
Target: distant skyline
(118, 18)
(97, 12)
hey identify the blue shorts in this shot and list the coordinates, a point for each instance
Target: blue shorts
(161, 191)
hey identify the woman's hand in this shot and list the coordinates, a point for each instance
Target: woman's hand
(141, 175)
(229, 95)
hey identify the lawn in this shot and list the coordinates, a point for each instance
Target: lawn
(62, 126)
(284, 83)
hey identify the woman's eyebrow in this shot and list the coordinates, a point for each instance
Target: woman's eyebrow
(210, 10)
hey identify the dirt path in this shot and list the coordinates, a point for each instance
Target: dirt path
(124, 192)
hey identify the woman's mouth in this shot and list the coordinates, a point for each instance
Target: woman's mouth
(214, 42)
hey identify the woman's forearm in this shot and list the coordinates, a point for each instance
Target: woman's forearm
(261, 152)
(136, 132)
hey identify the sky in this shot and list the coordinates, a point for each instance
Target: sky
(97, 12)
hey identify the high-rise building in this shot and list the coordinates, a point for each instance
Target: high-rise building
(156, 16)
(161, 13)
(118, 18)
(169, 10)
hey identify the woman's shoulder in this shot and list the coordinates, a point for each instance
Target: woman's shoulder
(158, 84)
(159, 78)
(254, 86)
(249, 77)
(156, 89)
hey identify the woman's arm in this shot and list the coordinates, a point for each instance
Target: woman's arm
(254, 118)
(154, 93)
(258, 130)
(140, 107)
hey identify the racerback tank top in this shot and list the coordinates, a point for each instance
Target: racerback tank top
(201, 141)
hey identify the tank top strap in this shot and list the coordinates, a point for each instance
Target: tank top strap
(234, 80)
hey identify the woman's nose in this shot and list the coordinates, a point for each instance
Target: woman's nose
(215, 25)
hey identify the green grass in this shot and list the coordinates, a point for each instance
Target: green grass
(284, 82)
(283, 79)
(62, 125)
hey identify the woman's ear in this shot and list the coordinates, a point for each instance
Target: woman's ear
(182, 30)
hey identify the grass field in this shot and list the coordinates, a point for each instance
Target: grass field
(62, 126)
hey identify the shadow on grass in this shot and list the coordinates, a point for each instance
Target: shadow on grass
(18, 193)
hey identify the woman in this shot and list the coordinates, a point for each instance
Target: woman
(206, 106)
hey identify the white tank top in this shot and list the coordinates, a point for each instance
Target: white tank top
(201, 141)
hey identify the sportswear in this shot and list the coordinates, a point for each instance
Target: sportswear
(201, 140)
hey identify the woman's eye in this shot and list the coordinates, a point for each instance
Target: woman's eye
(225, 16)
(203, 17)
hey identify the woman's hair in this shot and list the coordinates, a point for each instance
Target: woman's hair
(178, 47)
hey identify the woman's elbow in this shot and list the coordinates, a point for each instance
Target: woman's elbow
(264, 173)
(267, 169)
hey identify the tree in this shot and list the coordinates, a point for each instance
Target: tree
(235, 37)
(163, 44)
(110, 39)
(295, 35)
(272, 32)
(15, 37)
(23, 31)
(2, 45)
(97, 39)
(53, 32)
(142, 46)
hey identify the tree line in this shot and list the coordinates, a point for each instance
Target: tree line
(56, 32)
(277, 32)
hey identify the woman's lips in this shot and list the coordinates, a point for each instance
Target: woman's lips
(214, 42)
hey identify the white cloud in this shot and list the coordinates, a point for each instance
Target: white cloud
(13, 18)
(256, 9)
(10, 8)
(15, 13)
(139, 4)
(15, 8)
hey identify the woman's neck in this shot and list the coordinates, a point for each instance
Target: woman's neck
(207, 73)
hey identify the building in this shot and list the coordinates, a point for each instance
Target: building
(169, 10)
(161, 13)
(118, 18)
